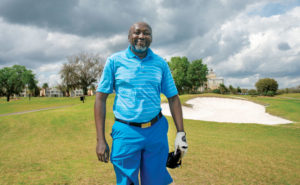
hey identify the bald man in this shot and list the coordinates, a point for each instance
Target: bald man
(139, 134)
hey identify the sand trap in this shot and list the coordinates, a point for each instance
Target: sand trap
(226, 110)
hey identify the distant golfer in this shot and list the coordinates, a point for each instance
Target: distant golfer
(139, 134)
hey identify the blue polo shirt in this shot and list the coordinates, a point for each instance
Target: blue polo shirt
(137, 83)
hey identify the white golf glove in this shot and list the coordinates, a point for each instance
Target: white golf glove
(180, 143)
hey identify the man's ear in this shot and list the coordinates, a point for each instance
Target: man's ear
(129, 33)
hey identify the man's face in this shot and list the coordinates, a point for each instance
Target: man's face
(140, 37)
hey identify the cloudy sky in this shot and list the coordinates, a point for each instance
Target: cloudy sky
(241, 40)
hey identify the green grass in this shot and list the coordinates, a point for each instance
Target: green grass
(291, 95)
(24, 104)
(286, 108)
(58, 147)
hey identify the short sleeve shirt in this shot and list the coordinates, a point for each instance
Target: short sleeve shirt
(138, 84)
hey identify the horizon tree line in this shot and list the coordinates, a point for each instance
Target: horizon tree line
(81, 71)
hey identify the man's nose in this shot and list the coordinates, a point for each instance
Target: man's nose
(141, 35)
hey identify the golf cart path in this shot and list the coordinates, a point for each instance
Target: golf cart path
(34, 110)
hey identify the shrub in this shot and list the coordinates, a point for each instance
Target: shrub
(223, 89)
(270, 93)
(252, 92)
(217, 91)
(244, 91)
(289, 90)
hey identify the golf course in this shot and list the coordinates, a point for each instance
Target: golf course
(57, 146)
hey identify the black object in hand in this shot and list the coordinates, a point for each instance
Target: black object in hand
(174, 161)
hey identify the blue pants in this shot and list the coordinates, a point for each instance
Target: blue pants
(143, 150)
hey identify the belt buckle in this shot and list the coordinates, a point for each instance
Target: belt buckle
(146, 125)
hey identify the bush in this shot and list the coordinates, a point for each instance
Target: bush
(281, 91)
(270, 93)
(244, 91)
(289, 90)
(217, 91)
(223, 89)
(252, 92)
(208, 91)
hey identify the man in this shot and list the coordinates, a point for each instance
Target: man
(139, 134)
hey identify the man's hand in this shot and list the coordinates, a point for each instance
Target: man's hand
(102, 151)
(180, 143)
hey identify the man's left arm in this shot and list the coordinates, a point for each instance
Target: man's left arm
(176, 111)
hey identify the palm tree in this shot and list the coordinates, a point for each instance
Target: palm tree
(45, 86)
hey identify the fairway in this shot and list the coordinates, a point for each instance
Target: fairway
(58, 146)
(25, 104)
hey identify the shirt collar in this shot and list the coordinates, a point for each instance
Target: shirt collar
(130, 54)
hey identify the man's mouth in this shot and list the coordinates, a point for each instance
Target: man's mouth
(140, 42)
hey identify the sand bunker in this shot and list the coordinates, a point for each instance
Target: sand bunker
(226, 110)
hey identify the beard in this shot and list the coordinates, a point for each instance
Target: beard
(139, 49)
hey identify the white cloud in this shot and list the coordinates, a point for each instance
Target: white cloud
(257, 48)
(45, 51)
(49, 67)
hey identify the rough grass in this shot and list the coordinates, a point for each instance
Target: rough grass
(58, 147)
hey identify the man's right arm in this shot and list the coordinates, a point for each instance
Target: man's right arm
(102, 149)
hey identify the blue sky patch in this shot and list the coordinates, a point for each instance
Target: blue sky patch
(271, 9)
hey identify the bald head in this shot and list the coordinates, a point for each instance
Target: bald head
(138, 24)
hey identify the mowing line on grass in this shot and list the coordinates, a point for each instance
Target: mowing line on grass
(35, 110)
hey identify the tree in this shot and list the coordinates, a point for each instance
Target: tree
(36, 91)
(238, 90)
(244, 91)
(252, 92)
(63, 89)
(1, 90)
(196, 74)
(93, 87)
(69, 77)
(31, 84)
(179, 67)
(45, 86)
(14, 79)
(223, 89)
(81, 71)
(266, 84)
(232, 89)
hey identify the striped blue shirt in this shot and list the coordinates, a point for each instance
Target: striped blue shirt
(137, 83)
